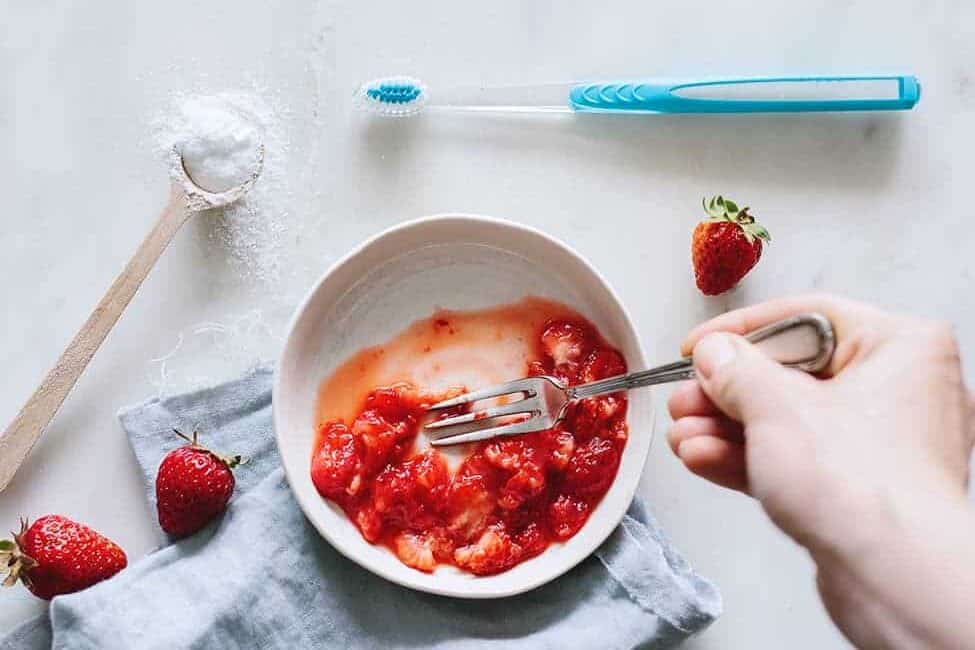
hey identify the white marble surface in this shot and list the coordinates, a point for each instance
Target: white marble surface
(870, 205)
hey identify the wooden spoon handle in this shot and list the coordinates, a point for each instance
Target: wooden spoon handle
(23, 432)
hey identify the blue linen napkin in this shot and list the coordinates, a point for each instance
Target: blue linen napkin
(262, 577)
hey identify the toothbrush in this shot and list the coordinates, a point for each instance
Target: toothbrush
(406, 96)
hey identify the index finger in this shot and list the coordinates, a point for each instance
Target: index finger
(848, 318)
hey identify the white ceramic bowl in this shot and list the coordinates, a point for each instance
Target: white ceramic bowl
(402, 275)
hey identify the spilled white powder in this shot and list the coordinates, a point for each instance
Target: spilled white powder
(219, 144)
(250, 231)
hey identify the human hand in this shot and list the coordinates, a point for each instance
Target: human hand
(875, 450)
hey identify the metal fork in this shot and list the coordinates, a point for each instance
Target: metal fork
(805, 342)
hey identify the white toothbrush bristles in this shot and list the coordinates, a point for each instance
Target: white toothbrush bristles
(392, 96)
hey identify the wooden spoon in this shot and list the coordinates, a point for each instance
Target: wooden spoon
(185, 199)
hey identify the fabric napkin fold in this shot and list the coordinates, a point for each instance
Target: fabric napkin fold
(262, 577)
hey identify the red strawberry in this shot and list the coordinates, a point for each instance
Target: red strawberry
(725, 246)
(566, 342)
(193, 486)
(566, 515)
(57, 556)
(335, 466)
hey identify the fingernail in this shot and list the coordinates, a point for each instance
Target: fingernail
(712, 352)
(677, 449)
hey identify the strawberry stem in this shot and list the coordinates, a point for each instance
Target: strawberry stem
(234, 461)
(720, 209)
(14, 560)
(229, 461)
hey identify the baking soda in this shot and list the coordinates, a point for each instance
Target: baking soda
(219, 144)
(219, 136)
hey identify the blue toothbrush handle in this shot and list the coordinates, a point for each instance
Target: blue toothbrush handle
(663, 96)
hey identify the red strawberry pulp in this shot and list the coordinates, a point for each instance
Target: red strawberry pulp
(482, 507)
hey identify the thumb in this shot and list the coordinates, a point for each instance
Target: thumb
(741, 381)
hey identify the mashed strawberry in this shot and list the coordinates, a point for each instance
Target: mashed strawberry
(509, 499)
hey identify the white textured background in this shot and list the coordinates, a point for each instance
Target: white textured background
(875, 206)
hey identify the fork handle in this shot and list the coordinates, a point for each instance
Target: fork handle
(805, 342)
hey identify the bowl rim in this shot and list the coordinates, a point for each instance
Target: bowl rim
(527, 585)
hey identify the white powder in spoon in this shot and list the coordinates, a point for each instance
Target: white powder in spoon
(219, 144)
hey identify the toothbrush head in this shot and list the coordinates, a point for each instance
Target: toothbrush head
(392, 96)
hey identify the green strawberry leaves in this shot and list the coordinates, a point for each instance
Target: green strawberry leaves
(757, 230)
(13, 561)
(720, 209)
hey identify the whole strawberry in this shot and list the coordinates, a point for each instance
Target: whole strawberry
(725, 246)
(55, 556)
(193, 486)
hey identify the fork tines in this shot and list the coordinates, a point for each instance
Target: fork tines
(524, 386)
(472, 426)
